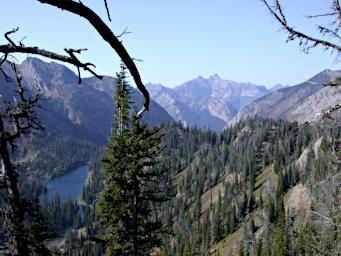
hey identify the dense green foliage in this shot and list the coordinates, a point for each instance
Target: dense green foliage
(132, 182)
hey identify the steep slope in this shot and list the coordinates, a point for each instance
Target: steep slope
(210, 102)
(237, 186)
(83, 110)
(278, 87)
(180, 111)
(298, 103)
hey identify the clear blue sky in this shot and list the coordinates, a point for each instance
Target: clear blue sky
(181, 39)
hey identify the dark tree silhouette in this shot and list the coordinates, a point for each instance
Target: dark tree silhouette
(17, 118)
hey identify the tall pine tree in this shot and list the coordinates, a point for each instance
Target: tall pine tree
(132, 182)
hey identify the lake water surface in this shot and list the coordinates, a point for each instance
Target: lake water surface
(70, 184)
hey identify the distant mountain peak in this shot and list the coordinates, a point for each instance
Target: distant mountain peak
(206, 102)
(296, 103)
(32, 60)
(277, 87)
(198, 78)
(215, 77)
(150, 84)
(326, 75)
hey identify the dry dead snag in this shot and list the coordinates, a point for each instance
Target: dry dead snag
(17, 118)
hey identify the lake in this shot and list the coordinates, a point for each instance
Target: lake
(70, 184)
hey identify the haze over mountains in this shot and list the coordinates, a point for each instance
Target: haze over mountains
(85, 110)
(210, 103)
(297, 103)
(216, 103)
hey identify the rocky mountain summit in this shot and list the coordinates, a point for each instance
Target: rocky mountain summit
(209, 103)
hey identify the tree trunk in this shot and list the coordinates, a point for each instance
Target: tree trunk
(17, 210)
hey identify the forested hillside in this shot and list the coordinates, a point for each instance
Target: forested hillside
(48, 155)
(254, 189)
(262, 187)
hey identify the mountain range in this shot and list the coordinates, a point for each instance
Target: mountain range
(215, 103)
(84, 111)
(209, 103)
(297, 103)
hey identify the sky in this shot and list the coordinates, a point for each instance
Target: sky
(178, 40)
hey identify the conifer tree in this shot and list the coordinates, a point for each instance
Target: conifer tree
(132, 180)
(217, 233)
(38, 231)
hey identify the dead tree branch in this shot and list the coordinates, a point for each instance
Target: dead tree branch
(80, 9)
(71, 59)
(104, 31)
(124, 32)
(306, 41)
(16, 119)
(107, 9)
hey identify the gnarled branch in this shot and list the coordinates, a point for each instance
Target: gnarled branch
(80, 9)
(9, 48)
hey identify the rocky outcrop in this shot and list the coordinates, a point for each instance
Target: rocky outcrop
(297, 103)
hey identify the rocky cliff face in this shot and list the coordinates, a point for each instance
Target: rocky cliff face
(298, 103)
(209, 103)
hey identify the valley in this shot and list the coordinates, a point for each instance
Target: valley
(246, 175)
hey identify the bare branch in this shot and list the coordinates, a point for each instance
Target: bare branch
(107, 9)
(324, 31)
(135, 59)
(337, 9)
(72, 52)
(125, 32)
(279, 8)
(22, 115)
(1, 70)
(21, 41)
(305, 40)
(11, 32)
(6, 49)
(80, 9)
(320, 15)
